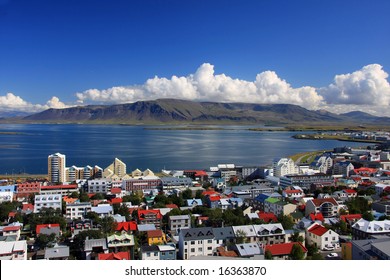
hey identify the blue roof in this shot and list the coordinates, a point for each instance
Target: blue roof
(8, 188)
(261, 197)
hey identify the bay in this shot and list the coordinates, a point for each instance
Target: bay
(26, 151)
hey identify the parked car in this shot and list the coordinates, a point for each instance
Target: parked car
(332, 255)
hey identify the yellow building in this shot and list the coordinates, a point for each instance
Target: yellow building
(346, 251)
(156, 237)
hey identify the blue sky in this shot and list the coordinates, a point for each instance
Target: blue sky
(272, 51)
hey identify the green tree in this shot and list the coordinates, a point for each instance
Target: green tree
(240, 236)
(368, 216)
(295, 237)
(84, 197)
(133, 198)
(199, 194)
(108, 225)
(286, 221)
(297, 252)
(98, 196)
(75, 195)
(268, 255)
(186, 194)
(43, 240)
(7, 207)
(124, 211)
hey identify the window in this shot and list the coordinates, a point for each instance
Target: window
(200, 249)
(192, 250)
(192, 242)
(326, 238)
(209, 241)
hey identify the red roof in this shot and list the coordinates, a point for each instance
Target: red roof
(319, 201)
(292, 191)
(317, 217)
(116, 200)
(350, 217)
(114, 256)
(39, 227)
(12, 214)
(349, 191)
(11, 228)
(173, 206)
(116, 190)
(268, 217)
(283, 248)
(27, 207)
(59, 187)
(318, 230)
(126, 226)
(215, 198)
(210, 193)
(141, 213)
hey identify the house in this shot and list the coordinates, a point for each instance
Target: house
(322, 237)
(327, 206)
(177, 222)
(293, 194)
(194, 202)
(350, 219)
(381, 207)
(267, 217)
(224, 235)
(196, 242)
(152, 216)
(93, 247)
(283, 251)
(48, 229)
(13, 250)
(57, 253)
(278, 207)
(156, 237)
(316, 217)
(248, 250)
(350, 193)
(268, 234)
(167, 252)
(364, 229)
(11, 230)
(122, 242)
(126, 227)
(114, 256)
(103, 210)
(150, 252)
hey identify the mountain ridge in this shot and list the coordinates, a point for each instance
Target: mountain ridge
(166, 111)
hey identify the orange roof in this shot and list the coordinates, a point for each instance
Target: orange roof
(317, 202)
(12, 214)
(39, 227)
(114, 256)
(215, 198)
(69, 200)
(210, 193)
(283, 248)
(318, 230)
(27, 206)
(155, 233)
(127, 226)
(292, 191)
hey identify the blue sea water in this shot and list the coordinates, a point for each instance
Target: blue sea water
(142, 148)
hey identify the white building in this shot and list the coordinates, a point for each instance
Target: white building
(179, 222)
(56, 168)
(196, 242)
(77, 210)
(13, 250)
(47, 201)
(6, 196)
(322, 237)
(99, 185)
(284, 166)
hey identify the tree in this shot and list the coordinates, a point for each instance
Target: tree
(43, 240)
(297, 252)
(108, 225)
(186, 194)
(124, 211)
(240, 236)
(268, 255)
(368, 216)
(133, 198)
(98, 196)
(286, 221)
(84, 197)
(199, 194)
(295, 237)
(75, 195)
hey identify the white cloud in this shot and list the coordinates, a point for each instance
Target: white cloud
(11, 103)
(205, 85)
(367, 86)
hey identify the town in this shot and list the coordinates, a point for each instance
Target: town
(334, 207)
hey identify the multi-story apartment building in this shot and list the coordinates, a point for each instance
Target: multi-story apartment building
(77, 210)
(278, 207)
(343, 168)
(59, 189)
(175, 182)
(117, 168)
(179, 222)
(28, 188)
(323, 164)
(284, 166)
(47, 201)
(133, 185)
(305, 181)
(152, 216)
(13, 250)
(103, 210)
(56, 168)
(102, 185)
(382, 207)
(196, 242)
(364, 229)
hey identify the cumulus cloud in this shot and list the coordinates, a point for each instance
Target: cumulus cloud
(367, 86)
(205, 85)
(11, 103)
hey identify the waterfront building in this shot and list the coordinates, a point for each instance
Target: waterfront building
(56, 168)
(117, 168)
(284, 166)
(305, 181)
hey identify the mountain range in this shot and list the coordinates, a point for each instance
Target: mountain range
(174, 111)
